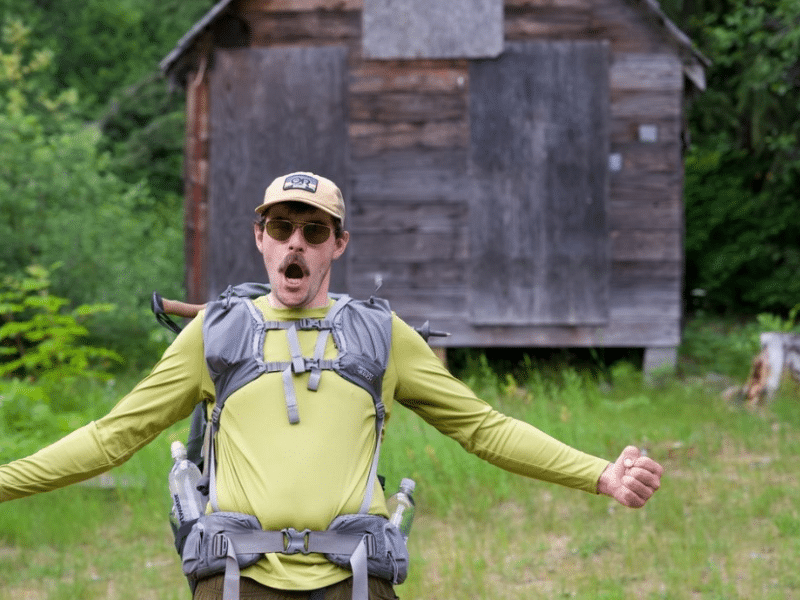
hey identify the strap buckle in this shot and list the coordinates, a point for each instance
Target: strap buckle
(309, 323)
(219, 545)
(295, 541)
(371, 544)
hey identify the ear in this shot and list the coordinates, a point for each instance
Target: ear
(340, 244)
(259, 234)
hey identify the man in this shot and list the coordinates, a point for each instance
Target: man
(296, 445)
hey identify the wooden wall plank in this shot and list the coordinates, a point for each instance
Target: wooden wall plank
(370, 139)
(646, 72)
(413, 246)
(393, 107)
(430, 275)
(630, 184)
(410, 176)
(627, 272)
(640, 303)
(646, 244)
(646, 105)
(548, 22)
(442, 217)
(626, 130)
(317, 28)
(290, 6)
(541, 4)
(273, 111)
(644, 158)
(645, 213)
(420, 76)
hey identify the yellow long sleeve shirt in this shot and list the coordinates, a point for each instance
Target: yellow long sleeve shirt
(306, 474)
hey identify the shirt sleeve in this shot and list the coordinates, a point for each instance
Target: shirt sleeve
(168, 394)
(426, 387)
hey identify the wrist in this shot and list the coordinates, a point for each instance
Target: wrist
(604, 481)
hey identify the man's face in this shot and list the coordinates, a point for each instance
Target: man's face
(299, 271)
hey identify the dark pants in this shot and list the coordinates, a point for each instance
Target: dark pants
(211, 589)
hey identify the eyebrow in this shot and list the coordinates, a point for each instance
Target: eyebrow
(315, 221)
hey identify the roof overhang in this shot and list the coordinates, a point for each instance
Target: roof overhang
(170, 60)
(694, 62)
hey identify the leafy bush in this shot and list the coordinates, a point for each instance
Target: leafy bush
(39, 339)
(44, 361)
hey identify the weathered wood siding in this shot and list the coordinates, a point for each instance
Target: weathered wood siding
(408, 136)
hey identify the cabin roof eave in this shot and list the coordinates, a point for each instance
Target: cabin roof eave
(168, 63)
(694, 61)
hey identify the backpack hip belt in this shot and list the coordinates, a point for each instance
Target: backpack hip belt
(365, 544)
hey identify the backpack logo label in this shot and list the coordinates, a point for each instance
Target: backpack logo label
(365, 374)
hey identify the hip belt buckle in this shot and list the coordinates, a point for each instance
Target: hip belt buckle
(295, 541)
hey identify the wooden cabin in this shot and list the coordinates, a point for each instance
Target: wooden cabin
(512, 169)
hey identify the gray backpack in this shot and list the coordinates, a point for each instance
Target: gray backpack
(233, 336)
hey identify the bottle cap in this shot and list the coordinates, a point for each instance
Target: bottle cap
(178, 450)
(408, 485)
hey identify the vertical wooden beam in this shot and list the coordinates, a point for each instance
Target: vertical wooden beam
(196, 184)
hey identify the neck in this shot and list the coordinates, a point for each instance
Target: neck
(275, 302)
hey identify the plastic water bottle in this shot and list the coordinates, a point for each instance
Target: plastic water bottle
(401, 507)
(187, 502)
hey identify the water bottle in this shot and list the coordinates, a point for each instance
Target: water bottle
(401, 507)
(187, 502)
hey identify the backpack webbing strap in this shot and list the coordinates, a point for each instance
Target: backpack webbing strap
(211, 461)
(291, 541)
(317, 365)
(373, 469)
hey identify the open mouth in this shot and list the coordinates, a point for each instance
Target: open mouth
(294, 271)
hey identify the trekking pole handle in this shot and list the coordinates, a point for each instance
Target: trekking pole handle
(181, 309)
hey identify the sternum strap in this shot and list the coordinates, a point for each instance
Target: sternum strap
(300, 364)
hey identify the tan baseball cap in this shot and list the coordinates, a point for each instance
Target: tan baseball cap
(308, 188)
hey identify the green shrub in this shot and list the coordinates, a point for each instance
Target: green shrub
(45, 364)
(42, 341)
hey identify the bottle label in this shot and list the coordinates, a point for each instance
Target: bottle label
(179, 509)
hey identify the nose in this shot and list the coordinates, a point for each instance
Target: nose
(297, 240)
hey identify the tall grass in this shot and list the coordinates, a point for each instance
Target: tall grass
(726, 523)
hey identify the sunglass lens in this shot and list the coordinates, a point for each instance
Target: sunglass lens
(316, 233)
(280, 230)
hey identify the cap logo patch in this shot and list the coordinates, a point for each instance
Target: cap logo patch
(301, 182)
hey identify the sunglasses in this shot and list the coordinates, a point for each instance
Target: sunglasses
(281, 230)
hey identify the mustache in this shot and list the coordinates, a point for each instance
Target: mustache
(295, 258)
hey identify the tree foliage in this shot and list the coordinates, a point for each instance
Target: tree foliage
(40, 339)
(742, 246)
(60, 200)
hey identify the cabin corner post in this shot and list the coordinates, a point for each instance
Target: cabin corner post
(196, 183)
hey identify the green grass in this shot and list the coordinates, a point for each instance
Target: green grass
(726, 523)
